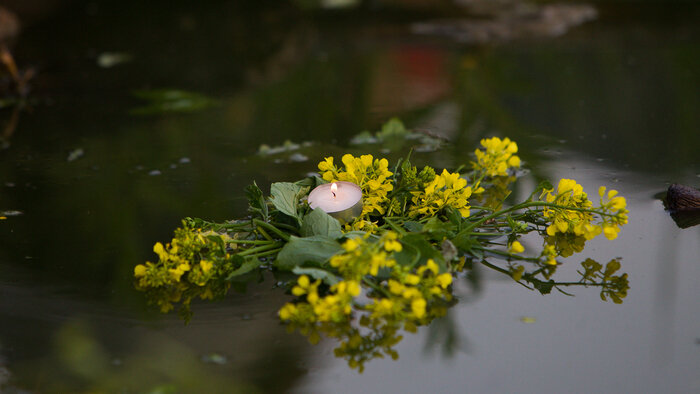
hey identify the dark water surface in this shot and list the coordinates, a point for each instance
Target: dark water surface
(613, 102)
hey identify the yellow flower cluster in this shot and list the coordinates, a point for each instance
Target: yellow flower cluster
(615, 206)
(372, 175)
(186, 269)
(613, 286)
(362, 225)
(566, 244)
(335, 307)
(360, 258)
(579, 221)
(366, 258)
(570, 194)
(360, 346)
(407, 297)
(446, 190)
(410, 293)
(496, 157)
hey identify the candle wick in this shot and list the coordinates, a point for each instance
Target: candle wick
(333, 194)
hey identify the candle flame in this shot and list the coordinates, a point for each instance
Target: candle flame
(334, 188)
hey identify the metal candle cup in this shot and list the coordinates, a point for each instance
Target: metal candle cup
(342, 200)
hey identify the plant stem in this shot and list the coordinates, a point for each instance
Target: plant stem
(253, 242)
(268, 253)
(265, 234)
(481, 208)
(375, 287)
(272, 228)
(394, 226)
(258, 249)
(529, 204)
(495, 267)
(285, 226)
(506, 254)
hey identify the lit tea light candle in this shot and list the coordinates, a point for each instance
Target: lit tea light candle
(342, 200)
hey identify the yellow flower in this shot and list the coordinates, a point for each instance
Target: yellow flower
(206, 265)
(610, 231)
(418, 307)
(349, 287)
(396, 287)
(326, 164)
(412, 279)
(139, 270)
(160, 251)
(287, 311)
(517, 274)
(352, 244)
(444, 280)
(516, 247)
(431, 266)
(392, 246)
(304, 286)
(179, 271)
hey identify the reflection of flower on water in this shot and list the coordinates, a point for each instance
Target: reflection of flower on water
(390, 270)
(192, 254)
(404, 296)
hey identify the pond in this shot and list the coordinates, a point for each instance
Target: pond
(141, 115)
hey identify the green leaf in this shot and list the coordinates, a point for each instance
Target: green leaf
(329, 278)
(286, 196)
(408, 256)
(247, 266)
(311, 182)
(299, 251)
(543, 287)
(317, 222)
(424, 249)
(394, 128)
(216, 239)
(437, 228)
(545, 185)
(171, 100)
(256, 200)
(542, 186)
(364, 137)
(454, 216)
(468, 244)
(412, 226)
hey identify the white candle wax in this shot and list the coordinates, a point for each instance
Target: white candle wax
(342, 200)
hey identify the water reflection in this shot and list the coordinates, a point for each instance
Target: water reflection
(685, 219)
(363, 338)
(683, 204)
(86, 346)
(369, 334)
